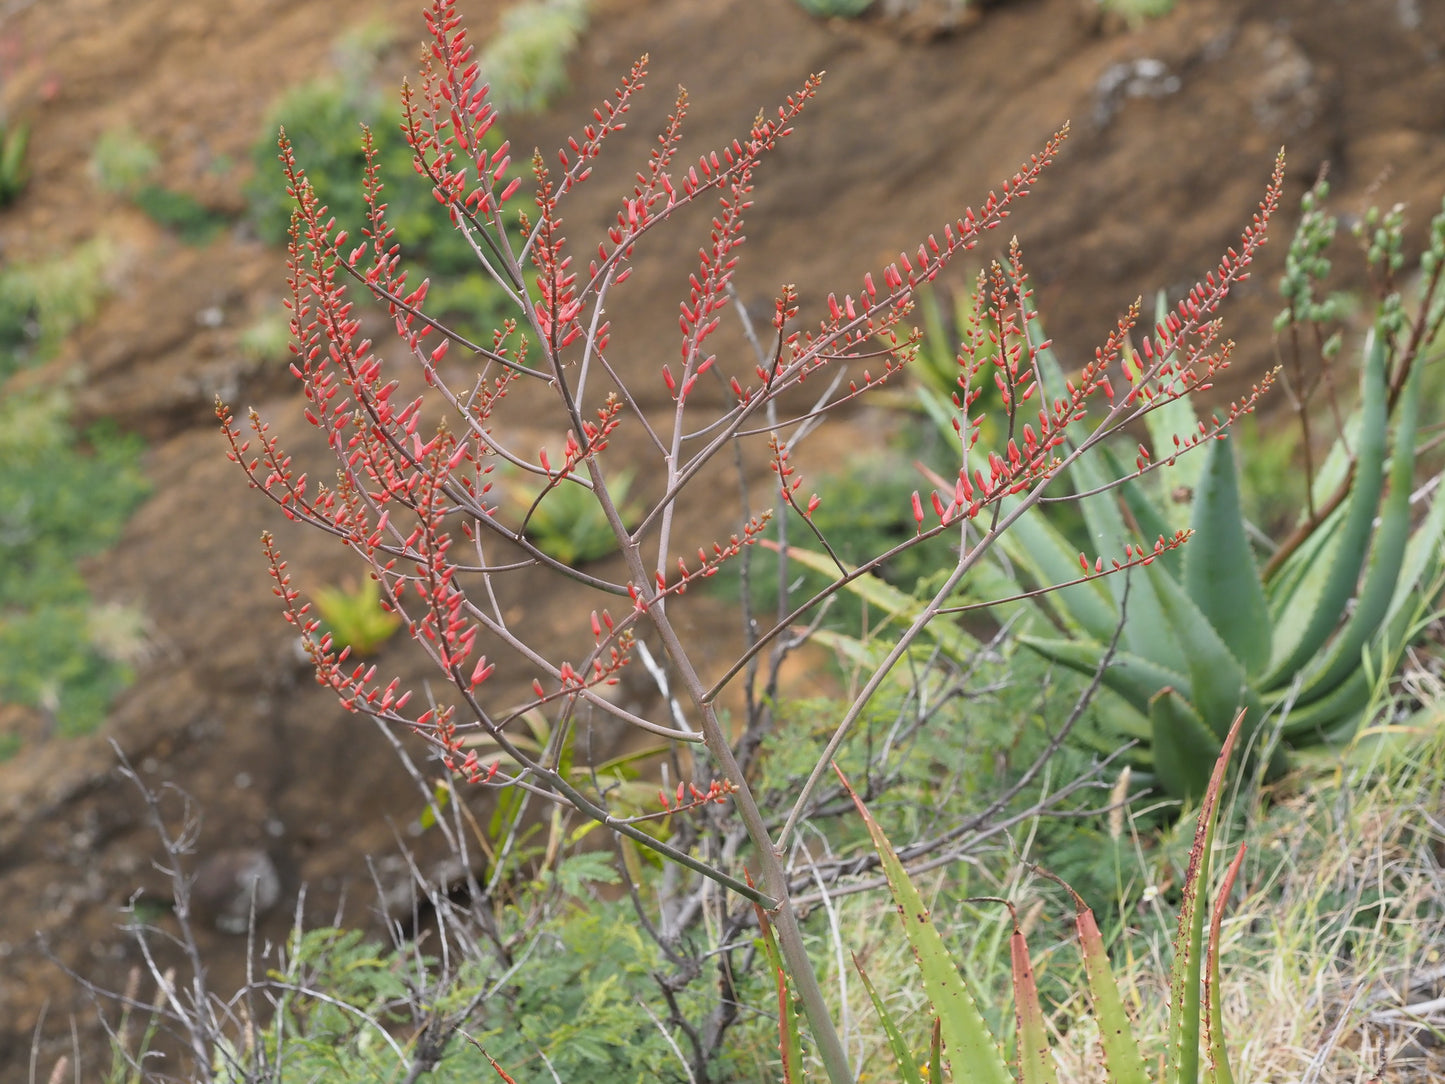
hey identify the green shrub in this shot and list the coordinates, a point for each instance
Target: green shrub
(323, 119)
(123, 161)
(125, 164)
(181, 213)
(61, 499)
(44, 301)
(1135, 12)
(567, 523)
(14, 173)
(526, 60)
(835, 9)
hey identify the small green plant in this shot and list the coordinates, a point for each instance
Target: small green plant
(565, 521)
(265, 339)
(324, 120)
(526, 60)
(356, 618)
(1136, 12)
(180, 212)
(14, 173)
(43, 301)
(835, 9)
(125, 164)
(123, 161)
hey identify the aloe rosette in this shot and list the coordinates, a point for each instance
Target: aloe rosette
(1208, 630)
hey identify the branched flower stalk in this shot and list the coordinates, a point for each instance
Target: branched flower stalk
(411, 494)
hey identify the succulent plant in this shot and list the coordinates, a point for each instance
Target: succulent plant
(1210, 629)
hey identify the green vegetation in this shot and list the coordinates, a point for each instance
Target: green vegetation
(43, 302)
(1302, 635)
(63, 496)
(125, 164)
(836, 9)
(14, 173)
(122, 162)
(567, 523)
(960, 1027)
(581, 928)
(1136, 12)
(355, 617)
(323, 118)
(526, 60)
(181, 213)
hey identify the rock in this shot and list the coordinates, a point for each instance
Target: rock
(221, 895)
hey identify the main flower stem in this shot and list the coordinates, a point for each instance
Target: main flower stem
(774, 876)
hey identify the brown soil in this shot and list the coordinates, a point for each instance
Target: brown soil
(915, 120)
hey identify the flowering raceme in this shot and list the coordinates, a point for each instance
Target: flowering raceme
(411, 495)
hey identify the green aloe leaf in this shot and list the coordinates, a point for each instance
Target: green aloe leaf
(1182, 744)
(1218, 686)
(1036, 1061)
(1419, 575)
(1386, 557)
(1044, 554)
(1122, 1059)
(907, 1064)
(1060, 560)
(1321, 599)
(1334, 717)
(1182, 1054)
(972, 1049)
(1285, 585)
(1147, 630)
(1220, 576)
(1174, 418)
(1218, 1071)
(891, 603)
(790, 1040)
(1151, 520)
(1136, 679)
(1348, 698)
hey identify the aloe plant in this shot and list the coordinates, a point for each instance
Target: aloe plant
(964, 1048)
(1298, 639)
(1212, 629)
